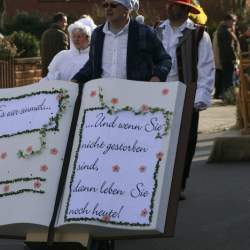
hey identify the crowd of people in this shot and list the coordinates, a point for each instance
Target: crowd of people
(175, 49)
(124, 47)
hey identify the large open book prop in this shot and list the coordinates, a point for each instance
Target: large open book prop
(121, 165)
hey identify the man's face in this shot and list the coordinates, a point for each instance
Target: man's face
(114, 11)
(63, 23)
(177, 12)
(231, 23)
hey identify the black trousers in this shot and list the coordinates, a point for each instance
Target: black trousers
(193, 134)
(227, 76)
(218, 83)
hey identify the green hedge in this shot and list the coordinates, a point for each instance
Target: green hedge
(7, 49)
(32, 23)
(27, 44)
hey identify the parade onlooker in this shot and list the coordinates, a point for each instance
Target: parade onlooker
(218, 68)
(244, 39)
(53, 40)
(191, 50)
(67, 63)
(123, 48)
(228, 50)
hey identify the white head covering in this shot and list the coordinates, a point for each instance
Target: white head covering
(132, 5)
(88, 21)
(78, 25)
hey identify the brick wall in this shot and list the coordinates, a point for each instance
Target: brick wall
(27, 70)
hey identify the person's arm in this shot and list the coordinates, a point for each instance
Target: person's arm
(53, 68)
(161, 60)
(84, 74)
(206, 73)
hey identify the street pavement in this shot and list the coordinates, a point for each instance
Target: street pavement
(216, 213)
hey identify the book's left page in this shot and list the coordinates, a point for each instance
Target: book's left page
(34, 127)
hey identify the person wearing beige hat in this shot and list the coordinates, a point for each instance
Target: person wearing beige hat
(123, 48)
(191, 51)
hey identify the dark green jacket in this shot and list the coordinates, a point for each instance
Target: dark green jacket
(53, 41)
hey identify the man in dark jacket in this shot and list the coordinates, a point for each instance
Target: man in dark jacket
(123, 48)
(53, 40)
(227, 44)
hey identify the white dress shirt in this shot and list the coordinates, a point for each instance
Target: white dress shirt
(206, 68)
(114, 58)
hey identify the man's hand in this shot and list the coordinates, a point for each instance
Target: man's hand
(199, 106)
(155, 79)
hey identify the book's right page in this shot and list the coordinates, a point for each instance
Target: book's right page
(123, 157)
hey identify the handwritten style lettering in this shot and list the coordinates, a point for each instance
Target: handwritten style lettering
(102, 212)
(154, 125)
(83, 188)
(125, 148)
(85, 166)
(139, 191)
(26, 109)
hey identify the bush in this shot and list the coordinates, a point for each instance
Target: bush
(27, 44)
(30, 23)
(7, 50)
(230, 96)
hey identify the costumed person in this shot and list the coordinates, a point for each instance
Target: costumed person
(67, 63)
(117, 45)
(125, 49)
(193, 62)
(53, 40)
(200, 18)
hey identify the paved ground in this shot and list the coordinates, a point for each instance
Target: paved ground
(216, 214)
(217, 118)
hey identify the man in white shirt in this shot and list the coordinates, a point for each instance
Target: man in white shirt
(123, 48)
(192, 61)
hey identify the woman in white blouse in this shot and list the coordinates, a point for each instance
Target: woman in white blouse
(67, 63)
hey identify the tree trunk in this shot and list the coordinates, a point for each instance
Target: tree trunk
(2, 13)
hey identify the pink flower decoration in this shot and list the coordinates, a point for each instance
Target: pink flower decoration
(3, 155)
(142, 169)
(116, 168)
(37, 184)
(144, 108)
(53, 151)
(114, 101)
(44, 168)
(106, 218)
(144, 212)
(165, 91)
(93, 93)
(29, 149)
(59, 97)
(6, 188)
(159, 156)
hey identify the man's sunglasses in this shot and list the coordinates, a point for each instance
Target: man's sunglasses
(110, 5)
